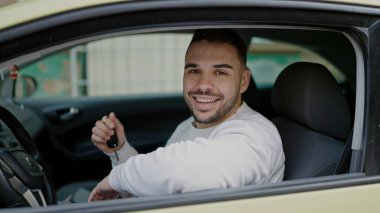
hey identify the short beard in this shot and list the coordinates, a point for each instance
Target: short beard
(220, 113)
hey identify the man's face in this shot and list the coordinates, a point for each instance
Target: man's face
(213, 80)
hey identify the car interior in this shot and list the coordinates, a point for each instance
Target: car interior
(312, 108)
(313, 120)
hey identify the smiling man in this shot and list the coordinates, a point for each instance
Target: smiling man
(213, 81)
(224, 144)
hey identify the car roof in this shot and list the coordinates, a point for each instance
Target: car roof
(25, 11)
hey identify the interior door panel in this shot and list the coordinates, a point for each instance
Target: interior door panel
(66, 143)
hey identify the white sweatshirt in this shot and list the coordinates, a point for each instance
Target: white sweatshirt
(245, 149)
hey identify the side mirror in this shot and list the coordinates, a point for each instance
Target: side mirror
(26, 86)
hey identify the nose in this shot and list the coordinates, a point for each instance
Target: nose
(205, 82)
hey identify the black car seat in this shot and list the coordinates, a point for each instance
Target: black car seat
(252, 96)
(314, 120)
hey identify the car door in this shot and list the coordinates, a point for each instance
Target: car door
(351, 192)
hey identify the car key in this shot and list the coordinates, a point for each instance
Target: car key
(113, 143)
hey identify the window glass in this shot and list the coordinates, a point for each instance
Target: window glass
(144, 64)
(127, 65)
(267, 58)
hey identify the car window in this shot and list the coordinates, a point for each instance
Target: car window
(144, 64)
(126, 65)
(267, 58)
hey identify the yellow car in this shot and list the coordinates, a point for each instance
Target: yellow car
(65, 64)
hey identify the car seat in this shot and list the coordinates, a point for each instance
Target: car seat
(313, 120)
(252, 96)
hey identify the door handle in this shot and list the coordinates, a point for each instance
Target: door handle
(61, 113)
(70, 114)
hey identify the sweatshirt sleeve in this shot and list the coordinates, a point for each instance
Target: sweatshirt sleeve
(124, 154)
(236, 156)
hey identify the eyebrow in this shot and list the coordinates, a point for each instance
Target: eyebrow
(191, 66)
(215, 66)
(223, 66)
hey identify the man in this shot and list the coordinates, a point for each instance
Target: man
(224, 144)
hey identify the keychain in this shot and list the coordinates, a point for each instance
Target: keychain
(113, 143)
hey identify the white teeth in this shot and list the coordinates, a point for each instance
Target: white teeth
(205, 100)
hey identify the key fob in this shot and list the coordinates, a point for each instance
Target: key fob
(113, 142)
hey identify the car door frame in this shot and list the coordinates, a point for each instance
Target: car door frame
(350, 15)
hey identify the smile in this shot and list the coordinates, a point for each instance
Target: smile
(205, 99)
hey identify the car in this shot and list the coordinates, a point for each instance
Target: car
(63, 65)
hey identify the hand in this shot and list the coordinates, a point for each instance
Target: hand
(103, 191)
(103, 130)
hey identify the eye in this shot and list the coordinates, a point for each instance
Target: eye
(220, 72)
(193, 71)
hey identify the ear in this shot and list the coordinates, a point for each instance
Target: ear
(245, 79)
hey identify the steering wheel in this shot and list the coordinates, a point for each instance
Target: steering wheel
(23, 181)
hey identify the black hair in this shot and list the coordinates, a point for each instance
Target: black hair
(222, 36)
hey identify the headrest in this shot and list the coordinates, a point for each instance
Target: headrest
(252, 96)
(308, 94)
